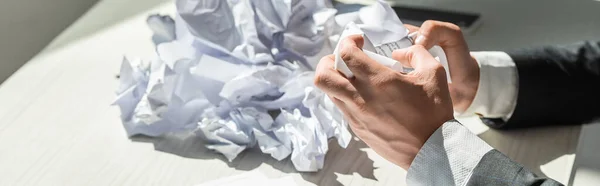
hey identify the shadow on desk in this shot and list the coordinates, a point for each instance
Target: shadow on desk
(338, 160)
(536, 147)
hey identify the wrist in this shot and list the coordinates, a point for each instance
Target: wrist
(464, 89)
(412, 147)
(407, 155)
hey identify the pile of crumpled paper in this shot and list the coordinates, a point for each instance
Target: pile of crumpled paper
(239, 73)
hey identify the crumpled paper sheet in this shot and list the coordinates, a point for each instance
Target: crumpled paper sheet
(239, 73)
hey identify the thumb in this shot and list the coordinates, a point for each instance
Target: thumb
(417, 56)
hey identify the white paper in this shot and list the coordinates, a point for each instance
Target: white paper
(256, 84)
(239, 74)
(212, 73)
(210, 20)
(383, 33)
(308, 142)
(369, 49)
(163, 28)
(224, 66)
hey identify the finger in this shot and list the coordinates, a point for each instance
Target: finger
(450, 38)
(405, 63)
(353, 41)
(439, 33)
(331, 81)
(411, 28)
(418, 57)
(357, 61)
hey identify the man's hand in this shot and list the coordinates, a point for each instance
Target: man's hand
(464, 69)
(391, 112)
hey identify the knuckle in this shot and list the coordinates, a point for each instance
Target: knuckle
(325, 63)
(427, 23)
(358, 103)
(356, 63)
(360, 67)
(362, 107)
(439, 69)
(322, 80)
(430, 26)
(350, 94)
(455, 29)
(439, 26)
(347, 53)
(325, 59)
(351, 91)
(318, 80)
(357, 100)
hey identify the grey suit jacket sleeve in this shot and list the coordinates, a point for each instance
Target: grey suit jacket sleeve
(497, 169)
(455, 156)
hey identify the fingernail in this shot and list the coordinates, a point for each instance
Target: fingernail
(420, 39)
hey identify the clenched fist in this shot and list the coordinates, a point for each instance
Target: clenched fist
(393, 113)
(464, 69)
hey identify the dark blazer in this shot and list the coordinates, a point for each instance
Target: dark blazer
(558, 85)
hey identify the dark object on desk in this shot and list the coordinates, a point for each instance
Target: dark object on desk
(416, 16)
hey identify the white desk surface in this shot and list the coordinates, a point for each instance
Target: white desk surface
(57, 126)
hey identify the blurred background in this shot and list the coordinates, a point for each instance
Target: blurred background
(30, 25)
(37, 35)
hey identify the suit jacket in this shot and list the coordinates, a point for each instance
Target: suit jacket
(558, 85)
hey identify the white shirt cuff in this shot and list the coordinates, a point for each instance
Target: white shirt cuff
(498, 86)
(448, 156)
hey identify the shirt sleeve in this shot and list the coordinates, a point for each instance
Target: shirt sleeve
(454, 156)
(448, 156)
(498, 85)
